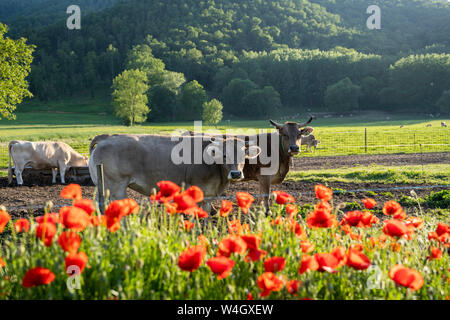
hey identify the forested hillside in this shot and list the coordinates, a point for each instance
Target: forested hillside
(256, 56)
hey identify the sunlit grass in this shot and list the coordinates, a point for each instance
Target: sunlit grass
(413, 174)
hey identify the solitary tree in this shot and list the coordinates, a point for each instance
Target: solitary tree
(15, 60)
(130, 99)
(192, 98)
(212, 112)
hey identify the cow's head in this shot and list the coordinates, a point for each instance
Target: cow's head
(231, 154)
(291, 133)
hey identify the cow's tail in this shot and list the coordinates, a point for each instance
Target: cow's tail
(10, 164)
(96, 140)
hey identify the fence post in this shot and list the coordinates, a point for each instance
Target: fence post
(101, 188)
(365, 138)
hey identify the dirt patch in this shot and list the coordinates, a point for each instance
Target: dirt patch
(310, 163)
(21, 201)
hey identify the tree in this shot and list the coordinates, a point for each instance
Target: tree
(262, 102)
(212, 112)
(192, 98)
(15, 60)
(130, 99)
(444, 102)
(342, 96)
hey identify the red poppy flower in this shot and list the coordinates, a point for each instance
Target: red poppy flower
(357, 260)
(37, 277)
(255, 255)
(269, 282)
(76, 259)
(232, 244)
(167, 190)
(406, 277)
(395, 228)
(74, 218)
(117, 210)
(69, 241)
(283, 197)
(252, 240)
(308, 263)
(192, 258)
(323, 205)
(359, 219)
(203, 240)
(2, 263)
(97, 221)
(442, 228)
(244, 201)
(198, 212)
(235, 227)
(340, 254)
(249, 296)
(292, 286)
(291, 210)
(46, 231)
(188, 225)
(22, 225)
(295, 227)
(184, 202)
(436, 253)
(321, 219)
(415, 221)
(221, 266)
(393, 208)
(226, 208)
(327, 262)
(71, 191)
(4, 219)
(323, 193)
(274, 264)
(171, 208)
(48, 217)
(85, 204)
(196, 193)
(307, 246)
(369, 203)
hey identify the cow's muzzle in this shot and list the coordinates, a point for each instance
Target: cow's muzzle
(236, 175)
(293, 150)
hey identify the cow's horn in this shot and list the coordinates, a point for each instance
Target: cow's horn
(307, 122)
(275, 124)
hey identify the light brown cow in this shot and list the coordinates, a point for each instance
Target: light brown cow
(310, 141)
(141, 161)
(43, 155)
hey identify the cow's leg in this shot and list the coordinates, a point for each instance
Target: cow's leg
(62, 171)
(54, 173)
(117, 187)
(18, 172)
(264, 188)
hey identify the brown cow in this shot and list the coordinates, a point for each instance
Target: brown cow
(272, 165)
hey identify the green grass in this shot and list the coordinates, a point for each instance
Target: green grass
(139, 261)
(77, 121)
(431, 174)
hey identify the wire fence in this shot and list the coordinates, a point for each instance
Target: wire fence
(335, 142)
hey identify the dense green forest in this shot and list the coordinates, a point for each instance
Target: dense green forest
(258, 57)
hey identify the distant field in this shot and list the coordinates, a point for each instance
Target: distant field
(78, 123)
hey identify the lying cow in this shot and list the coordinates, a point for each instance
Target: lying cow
(139, 162)
(43, 155)
(310, 141)
(443, 124)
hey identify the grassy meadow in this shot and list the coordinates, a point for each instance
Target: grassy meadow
(78, 121)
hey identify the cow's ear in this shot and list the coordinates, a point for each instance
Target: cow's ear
(213, 154)
(276, 125)
(252, 152)
(307, 130)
